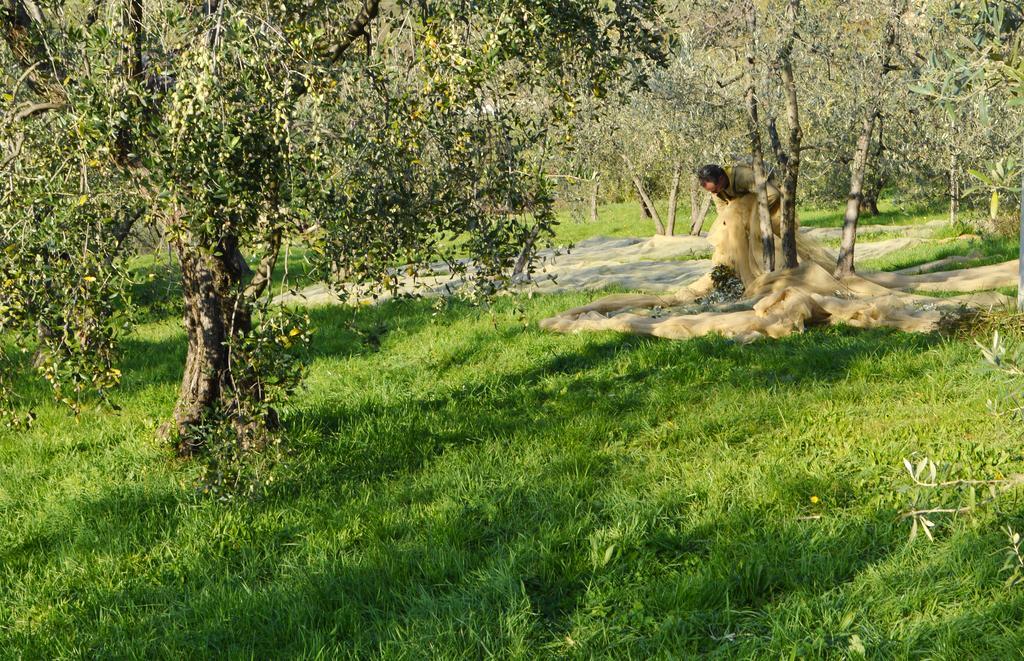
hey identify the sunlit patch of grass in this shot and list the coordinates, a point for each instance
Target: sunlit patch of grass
(462, 485)
(989, 250)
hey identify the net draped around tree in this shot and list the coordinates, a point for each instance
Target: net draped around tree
(776, 304)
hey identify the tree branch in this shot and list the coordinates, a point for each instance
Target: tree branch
(725, 83)
(35, 108)
(773, 135)
(265, 269)
(22, 26)
(356, 28)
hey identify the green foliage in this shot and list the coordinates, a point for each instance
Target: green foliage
(232, 130)
(727, 286)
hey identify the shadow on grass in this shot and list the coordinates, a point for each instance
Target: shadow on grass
(375, 439)
(447, 584)
(360, 551)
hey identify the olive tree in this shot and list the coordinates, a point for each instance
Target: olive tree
(376, 133)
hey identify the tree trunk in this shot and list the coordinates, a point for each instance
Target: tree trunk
(524, 254)
(593, 198)
(954, 190)
(1020, 252)
(789, 157)
(872, 190)
(791, 169)
(645, 213)
(645, 202)
(754, 129)
(673, 197)
(699, 205)
(844, 265)
(869, 201)
(216, 314)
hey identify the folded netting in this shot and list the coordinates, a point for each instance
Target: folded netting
(778, 303)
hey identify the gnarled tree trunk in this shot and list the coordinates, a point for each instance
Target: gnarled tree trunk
(869, 200)
(216, 314)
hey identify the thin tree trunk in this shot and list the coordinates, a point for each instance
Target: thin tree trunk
(788, 158)
(699, 205)
(1020, 253)
(593, 198)
(524, 254)
(844, 265)
(791, 169)
(645, 213)
(673, 197)
(954, 190)
(645, 202)
(754, 129)
(872, 190)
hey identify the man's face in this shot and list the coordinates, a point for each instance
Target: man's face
(715, 187)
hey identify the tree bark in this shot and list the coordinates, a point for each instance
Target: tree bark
(844, 265)
(954, 190)
(645, 213)
(217, 313)
(645, 202)
(873, 189)
(754, 129)
(699, 205)
(869, 201)
(594, 191)
(791, 171)
(673, 200)
(1020, 253)
(357, 27)
(524, 254)
(788, 157)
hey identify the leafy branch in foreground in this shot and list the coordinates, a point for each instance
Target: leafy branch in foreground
(930, 490)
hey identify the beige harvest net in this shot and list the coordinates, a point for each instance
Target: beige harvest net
(778, 303)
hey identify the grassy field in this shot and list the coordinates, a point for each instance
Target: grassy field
(460, 484)
(624, 220)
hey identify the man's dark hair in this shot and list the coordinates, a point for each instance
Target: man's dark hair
(710, 173)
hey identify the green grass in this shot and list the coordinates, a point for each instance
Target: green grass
(623, 219)
(620, 219)
(1006, 291)
(989, 250)
(891, 214)
(460, 484)
(479, 488)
